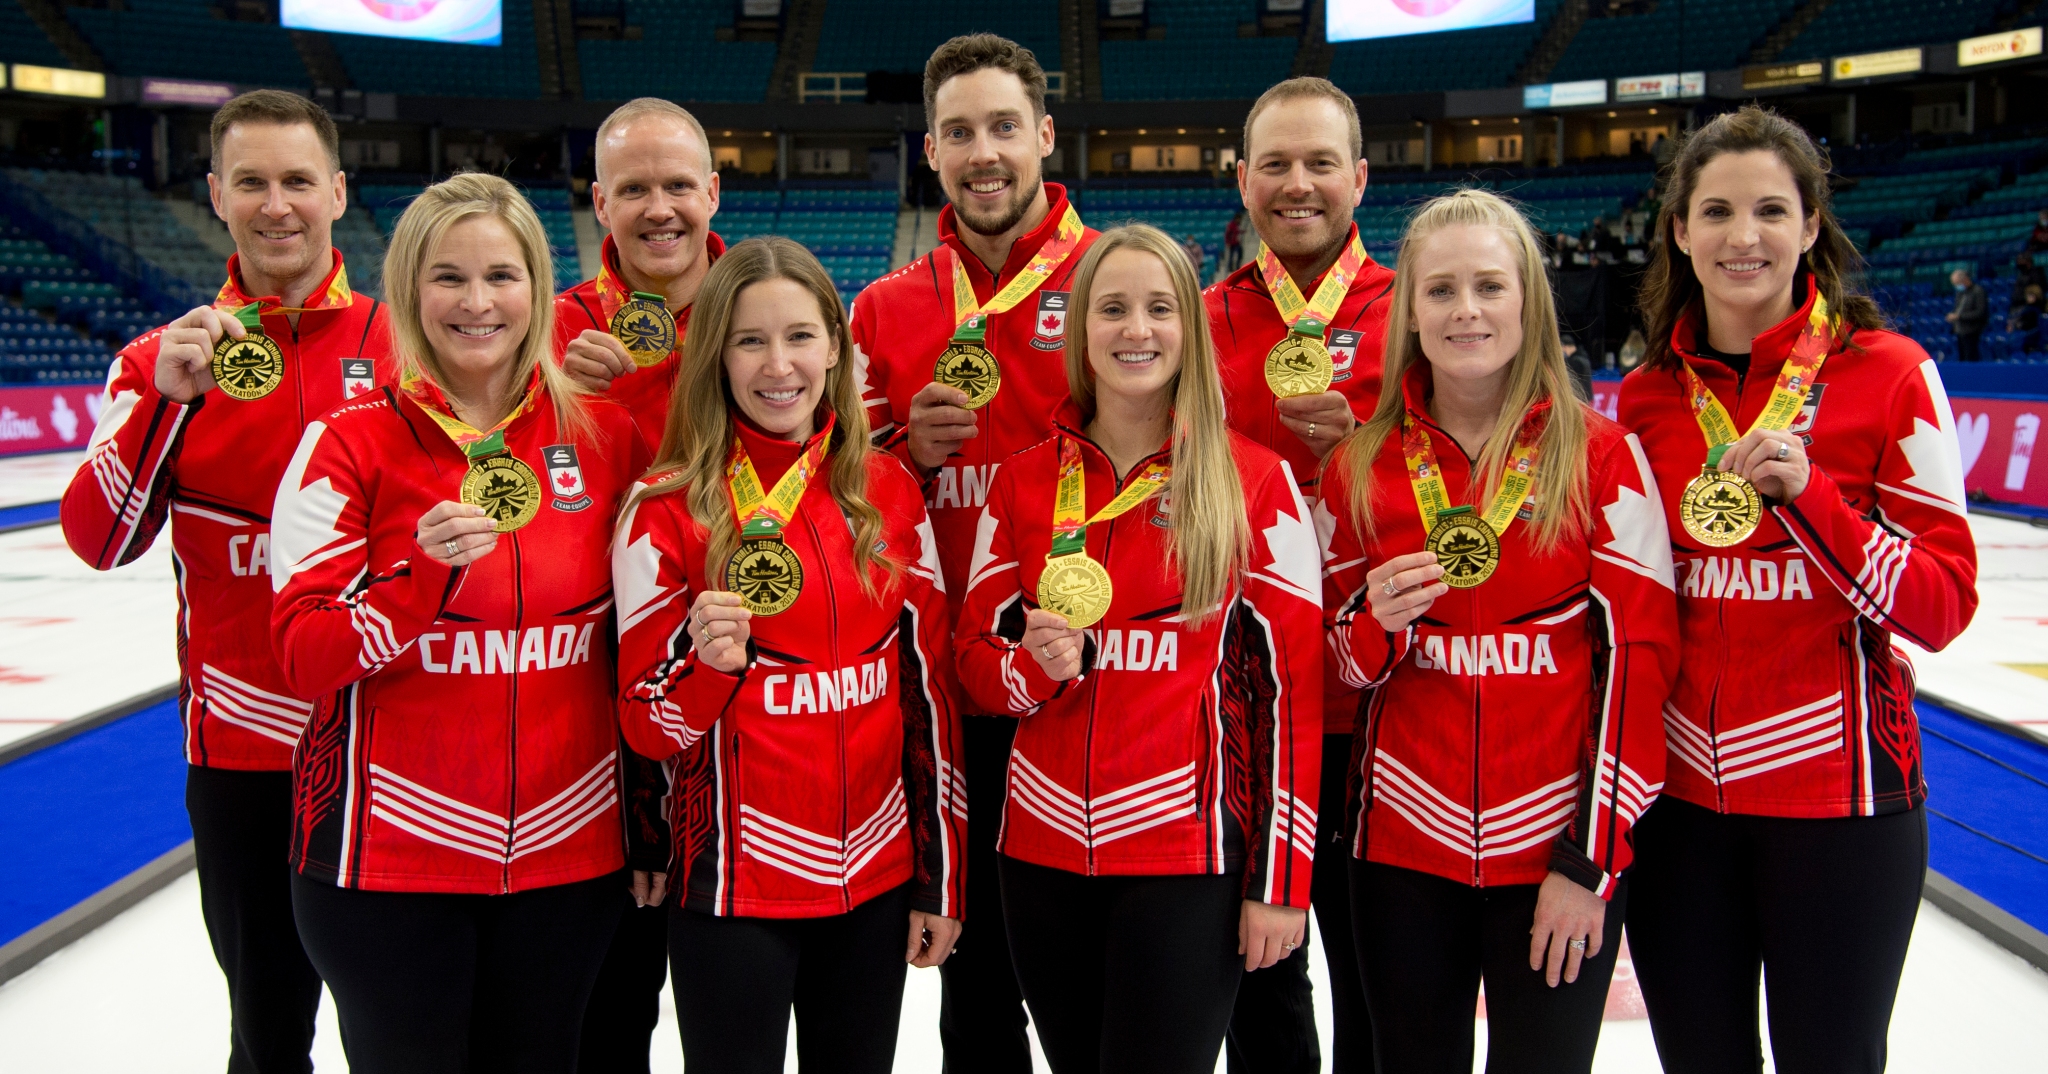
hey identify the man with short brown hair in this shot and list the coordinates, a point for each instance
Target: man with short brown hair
(987, 139)
(202, 443)
(1301, 177)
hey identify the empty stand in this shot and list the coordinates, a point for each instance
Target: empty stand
(1846, 26)
(678, 56)
(1199, 58)
(387, 65)
(22, 41)
(183, 38)
(1674, 35)
(899, 35)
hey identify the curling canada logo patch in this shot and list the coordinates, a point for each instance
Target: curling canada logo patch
(358, 375)
(1343, 351)
(1049, 331)
(565, 477)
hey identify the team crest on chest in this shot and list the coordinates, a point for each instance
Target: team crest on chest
(1049, 331)
(1802, 426)
(358, 375)
(1343, 351)
(565, 477)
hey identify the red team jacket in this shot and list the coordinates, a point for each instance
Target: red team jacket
(1178, 750)
(591, 304)
(901, 323)
(1245, 324)
(823, 774)
(1515, 729)
(1792, 701)
(214, 464)
(463, 739)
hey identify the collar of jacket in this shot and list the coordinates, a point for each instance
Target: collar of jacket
(1769, 346)
(1068, 420)
(612, 288)
(1416, 386)
(772, 455)
(333, 293)
(1021, 252)
(427, 395)
(1250, 278)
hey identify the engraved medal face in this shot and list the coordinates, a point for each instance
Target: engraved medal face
(1077, 587)
(248, 368)
(971, 368)
(1298, 365)
(505, 488)
(766, 574)
(1466, 547)
(646, 329)
(1720, 508)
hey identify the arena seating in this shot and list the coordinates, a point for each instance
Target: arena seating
(362, 249)
(34, 349)
(851, 229)
(869, 35)
(1847, 26)
(182, 38)
(1198, 210)
(1690, 36)
(22, 41)
(677, 56)
(1483, 58)
(1201, 56)
(386, 65)
(121, 210)
(386, 202)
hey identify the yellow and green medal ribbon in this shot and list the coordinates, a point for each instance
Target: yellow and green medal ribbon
(505, 487)
(1073, 584)
(967, 363)
(1466, 543)
(764, 571)
(251, 367)
(1720, 508)
(1300, 363)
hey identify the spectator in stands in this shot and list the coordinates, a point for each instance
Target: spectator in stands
(1968, 318)
(2037, 240)
(1302, 178)
(1598, 241)
(987, 138)
(1233, 235)
(1581, 366)
(1788, 848)
(1196, 256)
(169, 434)
(2026, 317)
(2027, 274)
(655, 194)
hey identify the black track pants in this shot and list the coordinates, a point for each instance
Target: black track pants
(241, 836)
(1426, 942)
(625, 1004)
(1273, 1029)
(1823, 908)
(981, 1012)
(446, 983)
(737, 978)
(1125, 974)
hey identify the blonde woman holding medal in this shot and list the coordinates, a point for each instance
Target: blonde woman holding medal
(439, 552)
(783, 647)
(1814, 488)
(1144, 600)
(1498, 573)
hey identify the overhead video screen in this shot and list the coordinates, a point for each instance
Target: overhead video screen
(459, 22)
(1360, 20)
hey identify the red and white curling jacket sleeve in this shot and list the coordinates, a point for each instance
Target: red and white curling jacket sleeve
(1180, 749)
(823, 773)
(1793, 700)
(1515, 730)
(463, 739)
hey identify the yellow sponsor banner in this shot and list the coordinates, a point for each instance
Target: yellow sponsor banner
(1992, 48)
(1898, 61)
(28, 78)
(1773, 75)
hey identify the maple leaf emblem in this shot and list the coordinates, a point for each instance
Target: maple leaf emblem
(1051, 322)
(567, 480)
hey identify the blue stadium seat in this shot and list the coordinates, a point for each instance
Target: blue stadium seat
(677, 56)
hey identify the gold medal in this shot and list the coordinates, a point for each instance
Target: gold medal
(505, 488)
(646, 328)
(971, 368)
(1465, 547)
(1299, 365)
(248, 368)
(1720, 508)
(766, 574)
(1076, 587)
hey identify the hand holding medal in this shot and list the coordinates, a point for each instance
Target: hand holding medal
(457, 534)
(1055, 645)
(184, 352)
(719, 629)
(252, 366)
(1401, 589)
(645, 327)
(967, 363)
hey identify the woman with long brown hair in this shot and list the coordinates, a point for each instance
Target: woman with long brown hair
(1144, 598)
(1813, 486)
(1517, 646)
(783, 647)
(439, 553)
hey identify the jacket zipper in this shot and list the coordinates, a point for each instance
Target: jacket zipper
(1721, 628)
(839, 718)
(512, 739)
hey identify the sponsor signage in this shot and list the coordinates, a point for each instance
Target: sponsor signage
(1998, 438)
(38, 418)
(1565, 94)
(1992, 48)
(59, 81)
(185, 91)
(1661, 87)
(1898, 61)
(1774, 75)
